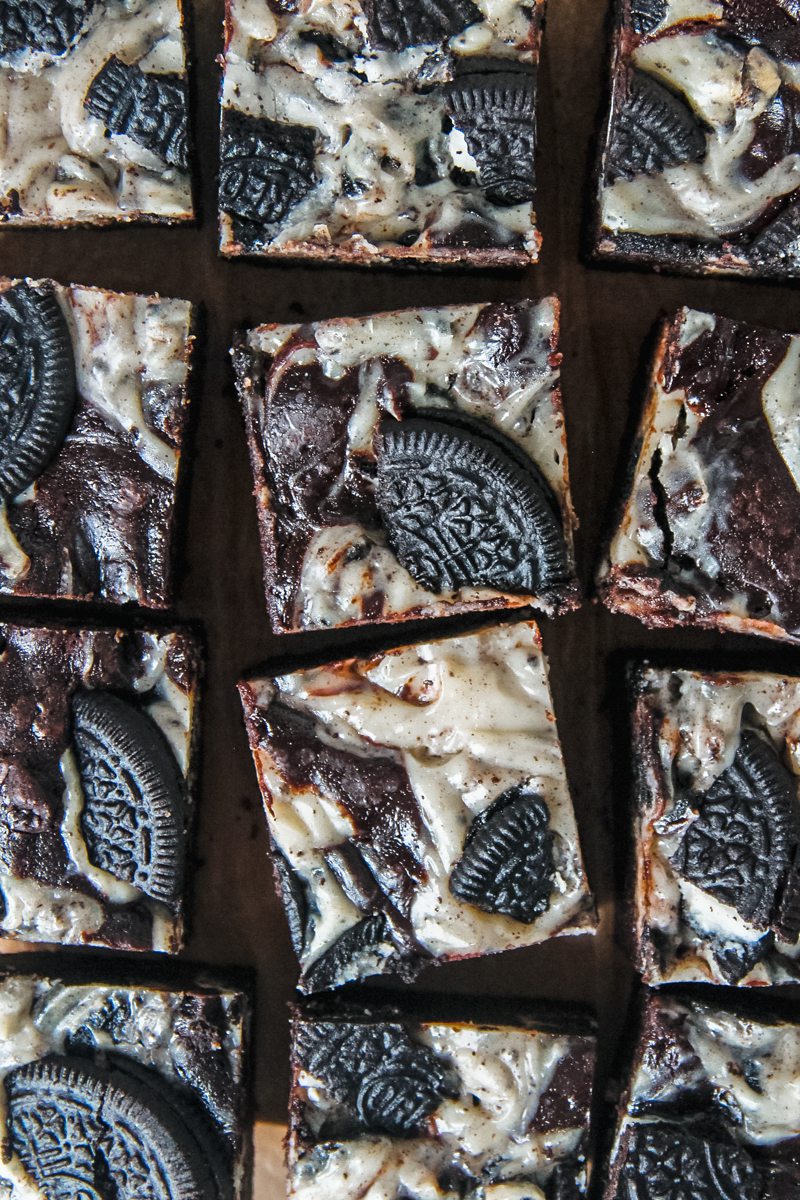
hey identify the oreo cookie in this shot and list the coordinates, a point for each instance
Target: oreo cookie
(780, 239)
(653, 128)
(507, 866)
(152, 110)
(52, 27)
(400, 24)
(90, 1131)
(133, 817)
(495, 110)
(386, 1082)
(37, 383)
(266, 168)
(742, 843)
(647, 15)
(664, 1162)
(462, 506)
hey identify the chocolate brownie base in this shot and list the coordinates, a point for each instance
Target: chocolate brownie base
(418, 806)
(379, 133)
(390, 1100)
(97, 760)
(698, 167)
(410, 464)
(95, 113)
(710, 1107)
(707, 533)
(91, 441)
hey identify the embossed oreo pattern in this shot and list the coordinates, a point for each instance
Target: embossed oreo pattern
(37, 383)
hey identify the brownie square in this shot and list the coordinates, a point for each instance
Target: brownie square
(418, 805)
(375, 132)
(92, 431)
(391, 1101)
(410, 464)
(717, 827)
(94, 112)
(711, 1106)
(123, 1087)
(98, 733)
(707, 533)
(698, 165)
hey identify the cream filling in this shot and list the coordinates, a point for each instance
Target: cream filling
(57, 156)
(14, 562)
(469, 717)
(729, 89)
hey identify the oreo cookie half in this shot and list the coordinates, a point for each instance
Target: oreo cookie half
(495, 110)
(133, 818)
(93, 1132)
(266, 168)
(50, 26)
(37, 383)
(653, 129)
(152, 110)
(464, 507)
(400, 24)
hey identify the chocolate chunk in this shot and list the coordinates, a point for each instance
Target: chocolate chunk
(776, 133)
(51, 26)
(37, 383)
(133, 817)
(266, 168)
(463, 507)
(773, 24)
(652, 129)
(495, 110)
(740, 846)
(85, 1130)
(346, 958)
(150, 109)
(664, 1162)
(647, 15)
(399, 24)
(780, 239)
(507, 866)
(386, 1082)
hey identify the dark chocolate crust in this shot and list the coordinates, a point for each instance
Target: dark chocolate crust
(42, 671)
(766, 246)
(295, 478)
(751, 504)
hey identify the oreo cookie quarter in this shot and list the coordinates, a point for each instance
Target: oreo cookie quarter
(133, 820)
(150, 109)
(50, 26)
(495, 110)
(37, 383)
(398, 25)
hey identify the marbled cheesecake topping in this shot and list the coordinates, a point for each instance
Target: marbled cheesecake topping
(701, 165)
(380, 131)
(93, 112)
(410, 463)
(717, 833)
(390, 1106)
(97, 748)
(418, 805)
(712, 1107)
(707, 534)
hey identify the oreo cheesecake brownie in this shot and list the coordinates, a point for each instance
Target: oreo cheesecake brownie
(700, 166)
(711, 1107)
(374, 131)
(122, 1089)
(707, 533)
(418, 806)
(97, 759)
(410, 464)
(389, 1101)
(717, 827)
(93, 416)
(93, 112)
